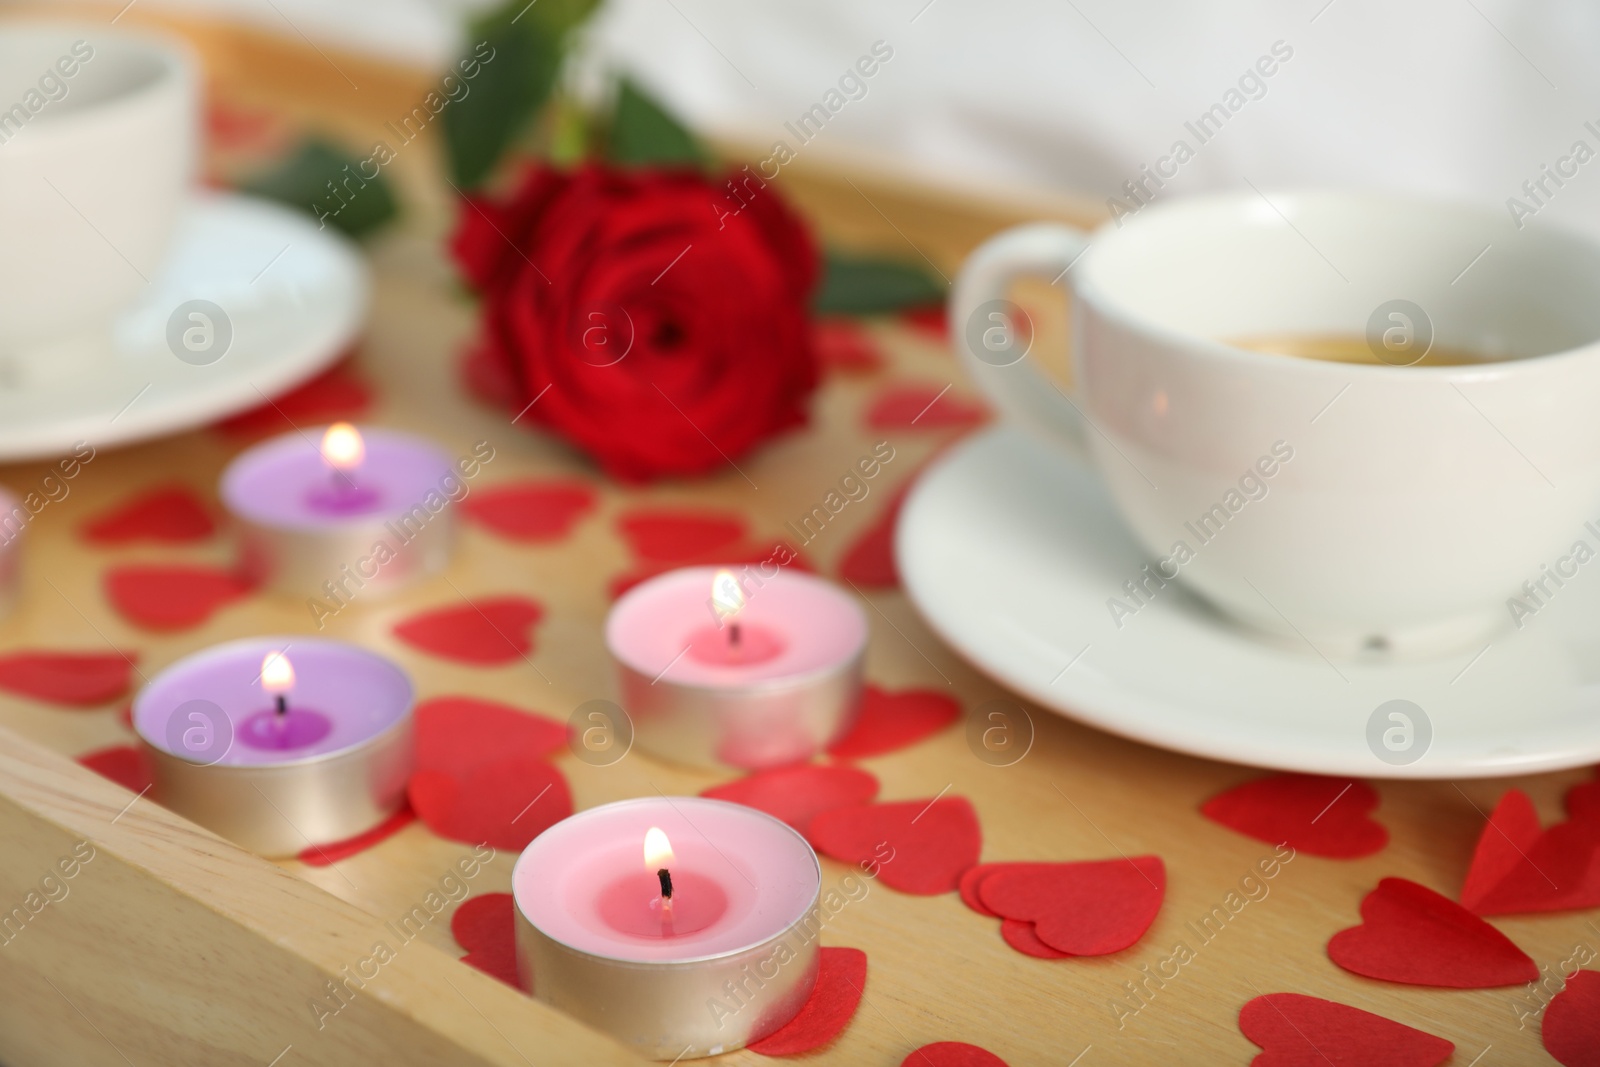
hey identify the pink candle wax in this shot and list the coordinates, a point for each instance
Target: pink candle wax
(212, 707)
(737, 669)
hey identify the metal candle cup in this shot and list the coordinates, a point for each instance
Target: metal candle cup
(314, 529)
(329, 763)
(741, 960)
(772, 682)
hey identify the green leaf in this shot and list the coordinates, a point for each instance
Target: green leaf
(517, 60)
(352, 202)
(866, 285)
(643, 133)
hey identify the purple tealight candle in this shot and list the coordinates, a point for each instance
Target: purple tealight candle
(279, 743)
(333, 514)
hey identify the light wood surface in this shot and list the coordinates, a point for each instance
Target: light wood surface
(175, 948)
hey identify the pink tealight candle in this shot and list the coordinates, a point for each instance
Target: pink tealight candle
(335, 513)
(682, 926)
(722, 669)
(279, 744)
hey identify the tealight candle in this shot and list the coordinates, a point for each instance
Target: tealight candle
(722, 670)
(682, 926)
(280, 743)
(329, 513)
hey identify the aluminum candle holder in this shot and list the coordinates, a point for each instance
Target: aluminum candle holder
(276, 757)
(737, 672)
(729, 957)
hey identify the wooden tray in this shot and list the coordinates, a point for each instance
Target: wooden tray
(173, 947)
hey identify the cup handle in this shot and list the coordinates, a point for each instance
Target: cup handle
(1015, 385)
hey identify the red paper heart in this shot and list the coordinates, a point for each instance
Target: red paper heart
(1413, 935)
(952, 1054)
(504, 804)
(329, 854)
(1300, 1031)
(337, 393)
(487, 632)
(1517, 868)
(663, 535)
(841, 979)
(1583, 802)
(1571, 1026)
(172, 596)
(486, 926)
(916, 846)
(1322, 816)
(922, 407)
(842, 345)
(888, 722)
(123, 764)
(457, 735)
(798, 795)
(933, 320)
(171, 514)
(775, 553)
(972, 883)
(72, 679)
(531, 511)
(1085, 909)
(1024, 937)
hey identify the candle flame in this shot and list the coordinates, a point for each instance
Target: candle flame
(727, 597)
(277, 674)
(657, 849)
(342, 447)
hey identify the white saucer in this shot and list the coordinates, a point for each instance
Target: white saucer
(295, 297)
(1010, 550)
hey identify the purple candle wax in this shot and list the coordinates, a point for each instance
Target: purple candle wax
(211, 707)
(287, 483)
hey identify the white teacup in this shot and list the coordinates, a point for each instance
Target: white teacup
(97, 156)
(1350, 506)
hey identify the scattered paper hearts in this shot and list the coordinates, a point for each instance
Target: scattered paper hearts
(1411, 934)
(797, 795)
(123, 764)
(171, 514)
(329, 854)
(1321, 816)
(673, 535)
(1083, 909)
(1583, 802)
(485, 925)
(456, 735)
(487, 632)
(71, 679)
(172, 596)
(1300, 1031)
(952, 1054)
(869, 561)
(1571, 1025)
(922, 407)
(531, 511)
(888, 722)
(337, 393)
(1518, 868)
(970, 886)
(1022, 936)
(931, 320)
(841, 979)
(916, 846)
(843, 345)
(505, 804)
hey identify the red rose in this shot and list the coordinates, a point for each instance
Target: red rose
(645, 316)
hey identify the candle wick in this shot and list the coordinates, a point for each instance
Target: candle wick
(666, 883)
(283, 705)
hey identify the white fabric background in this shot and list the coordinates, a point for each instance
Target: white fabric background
(1461, 97)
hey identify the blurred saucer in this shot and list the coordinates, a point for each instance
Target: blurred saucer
(1011, 550)
(291, 299)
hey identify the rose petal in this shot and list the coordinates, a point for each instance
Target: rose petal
(915, 846)
(1322, 816)
(841, 979)
(71, 679)
(1413, 935)
(487, 632)
(171, 514)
